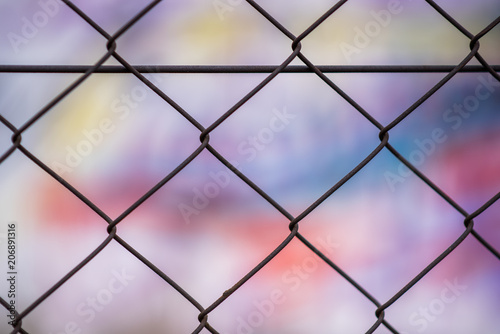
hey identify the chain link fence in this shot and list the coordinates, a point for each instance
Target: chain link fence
(297, 63)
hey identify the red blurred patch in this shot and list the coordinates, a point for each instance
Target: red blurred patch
(472, 166)
(60, 208)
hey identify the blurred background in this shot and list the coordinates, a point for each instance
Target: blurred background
(113, 139)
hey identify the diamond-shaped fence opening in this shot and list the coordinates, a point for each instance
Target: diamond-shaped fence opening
(231, 166)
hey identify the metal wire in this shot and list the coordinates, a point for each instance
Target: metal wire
(272, 71)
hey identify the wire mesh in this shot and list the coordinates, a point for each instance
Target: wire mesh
(294, 222)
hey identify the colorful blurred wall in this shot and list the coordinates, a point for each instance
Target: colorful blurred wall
(113, 139)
